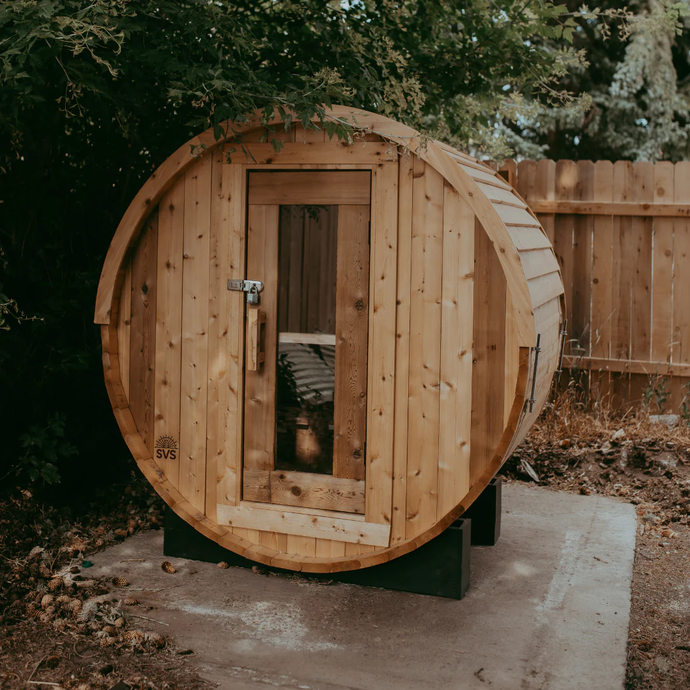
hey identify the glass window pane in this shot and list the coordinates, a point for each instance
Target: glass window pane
(305, 377)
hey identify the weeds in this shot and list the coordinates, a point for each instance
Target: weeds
(685, 406)
(657, 393)
(585, 414)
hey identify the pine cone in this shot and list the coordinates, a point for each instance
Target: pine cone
(47, 600)
(155, 639)
(54, 584)
(120, 582)
(63, 600)
(168, 567)
(120, 623)
(223, 565)
(134, 637)
(108, 630)
(130, 601)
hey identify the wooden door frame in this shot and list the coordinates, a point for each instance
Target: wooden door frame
(344, 490)
(340, 526)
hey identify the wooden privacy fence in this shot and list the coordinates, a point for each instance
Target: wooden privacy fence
(621, 232)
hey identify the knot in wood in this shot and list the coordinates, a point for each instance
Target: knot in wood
(296, 491)
(359, 305)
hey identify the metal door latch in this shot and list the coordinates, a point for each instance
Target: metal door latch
(251, 287)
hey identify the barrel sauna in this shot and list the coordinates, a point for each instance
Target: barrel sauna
(320, 356)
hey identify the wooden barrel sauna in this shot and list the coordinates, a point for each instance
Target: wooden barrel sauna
(319, 357)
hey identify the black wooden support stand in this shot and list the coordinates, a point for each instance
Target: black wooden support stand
(441, 567)
(485, 514)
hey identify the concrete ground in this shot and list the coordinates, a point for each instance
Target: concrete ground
(548, 607)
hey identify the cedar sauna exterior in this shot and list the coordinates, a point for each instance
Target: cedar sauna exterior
(320, 357)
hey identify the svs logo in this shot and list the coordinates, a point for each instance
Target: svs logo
(166, 448)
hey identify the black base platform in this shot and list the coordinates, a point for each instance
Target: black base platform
(485, 514)
(441, 567)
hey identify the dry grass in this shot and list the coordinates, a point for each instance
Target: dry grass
(573, 416)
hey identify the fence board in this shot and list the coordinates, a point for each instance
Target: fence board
(626, 282)
(582, 264)
(662, 268)
(681, 280)
(546, 190)
(641, 293)
(566, 182)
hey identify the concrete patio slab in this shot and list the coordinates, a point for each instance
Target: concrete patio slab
(548, 608)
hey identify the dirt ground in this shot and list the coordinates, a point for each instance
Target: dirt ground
(59, 628)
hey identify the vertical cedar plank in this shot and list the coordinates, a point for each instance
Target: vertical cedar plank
(512, 362)
(326, 548)
(223, 310)
(681, 280)
(352, 549)
(259, 400)
(169, 323)
(566, 190)
(124, 322)
(488, 376)
(325, 222)
(228, 489)
(301, 546)
(331, 259)
(295, 217)
(352, 312)
(195, 323)
(582, 262)
(312, 257)
(602, 270)
(274, 540)
(306, 274)
(662, 277)
(234, 188)
(425, 350)
(381, 369)
(143, 332)
(402, 347)
(284, 268)
(641, 304)
(456, 351)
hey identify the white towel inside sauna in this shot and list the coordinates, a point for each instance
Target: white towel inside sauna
(313, 367)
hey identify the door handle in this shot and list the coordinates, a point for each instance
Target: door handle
(256, 337)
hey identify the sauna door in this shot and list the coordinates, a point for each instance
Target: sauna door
(306, 359)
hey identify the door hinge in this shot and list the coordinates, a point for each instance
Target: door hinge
(536, 349)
